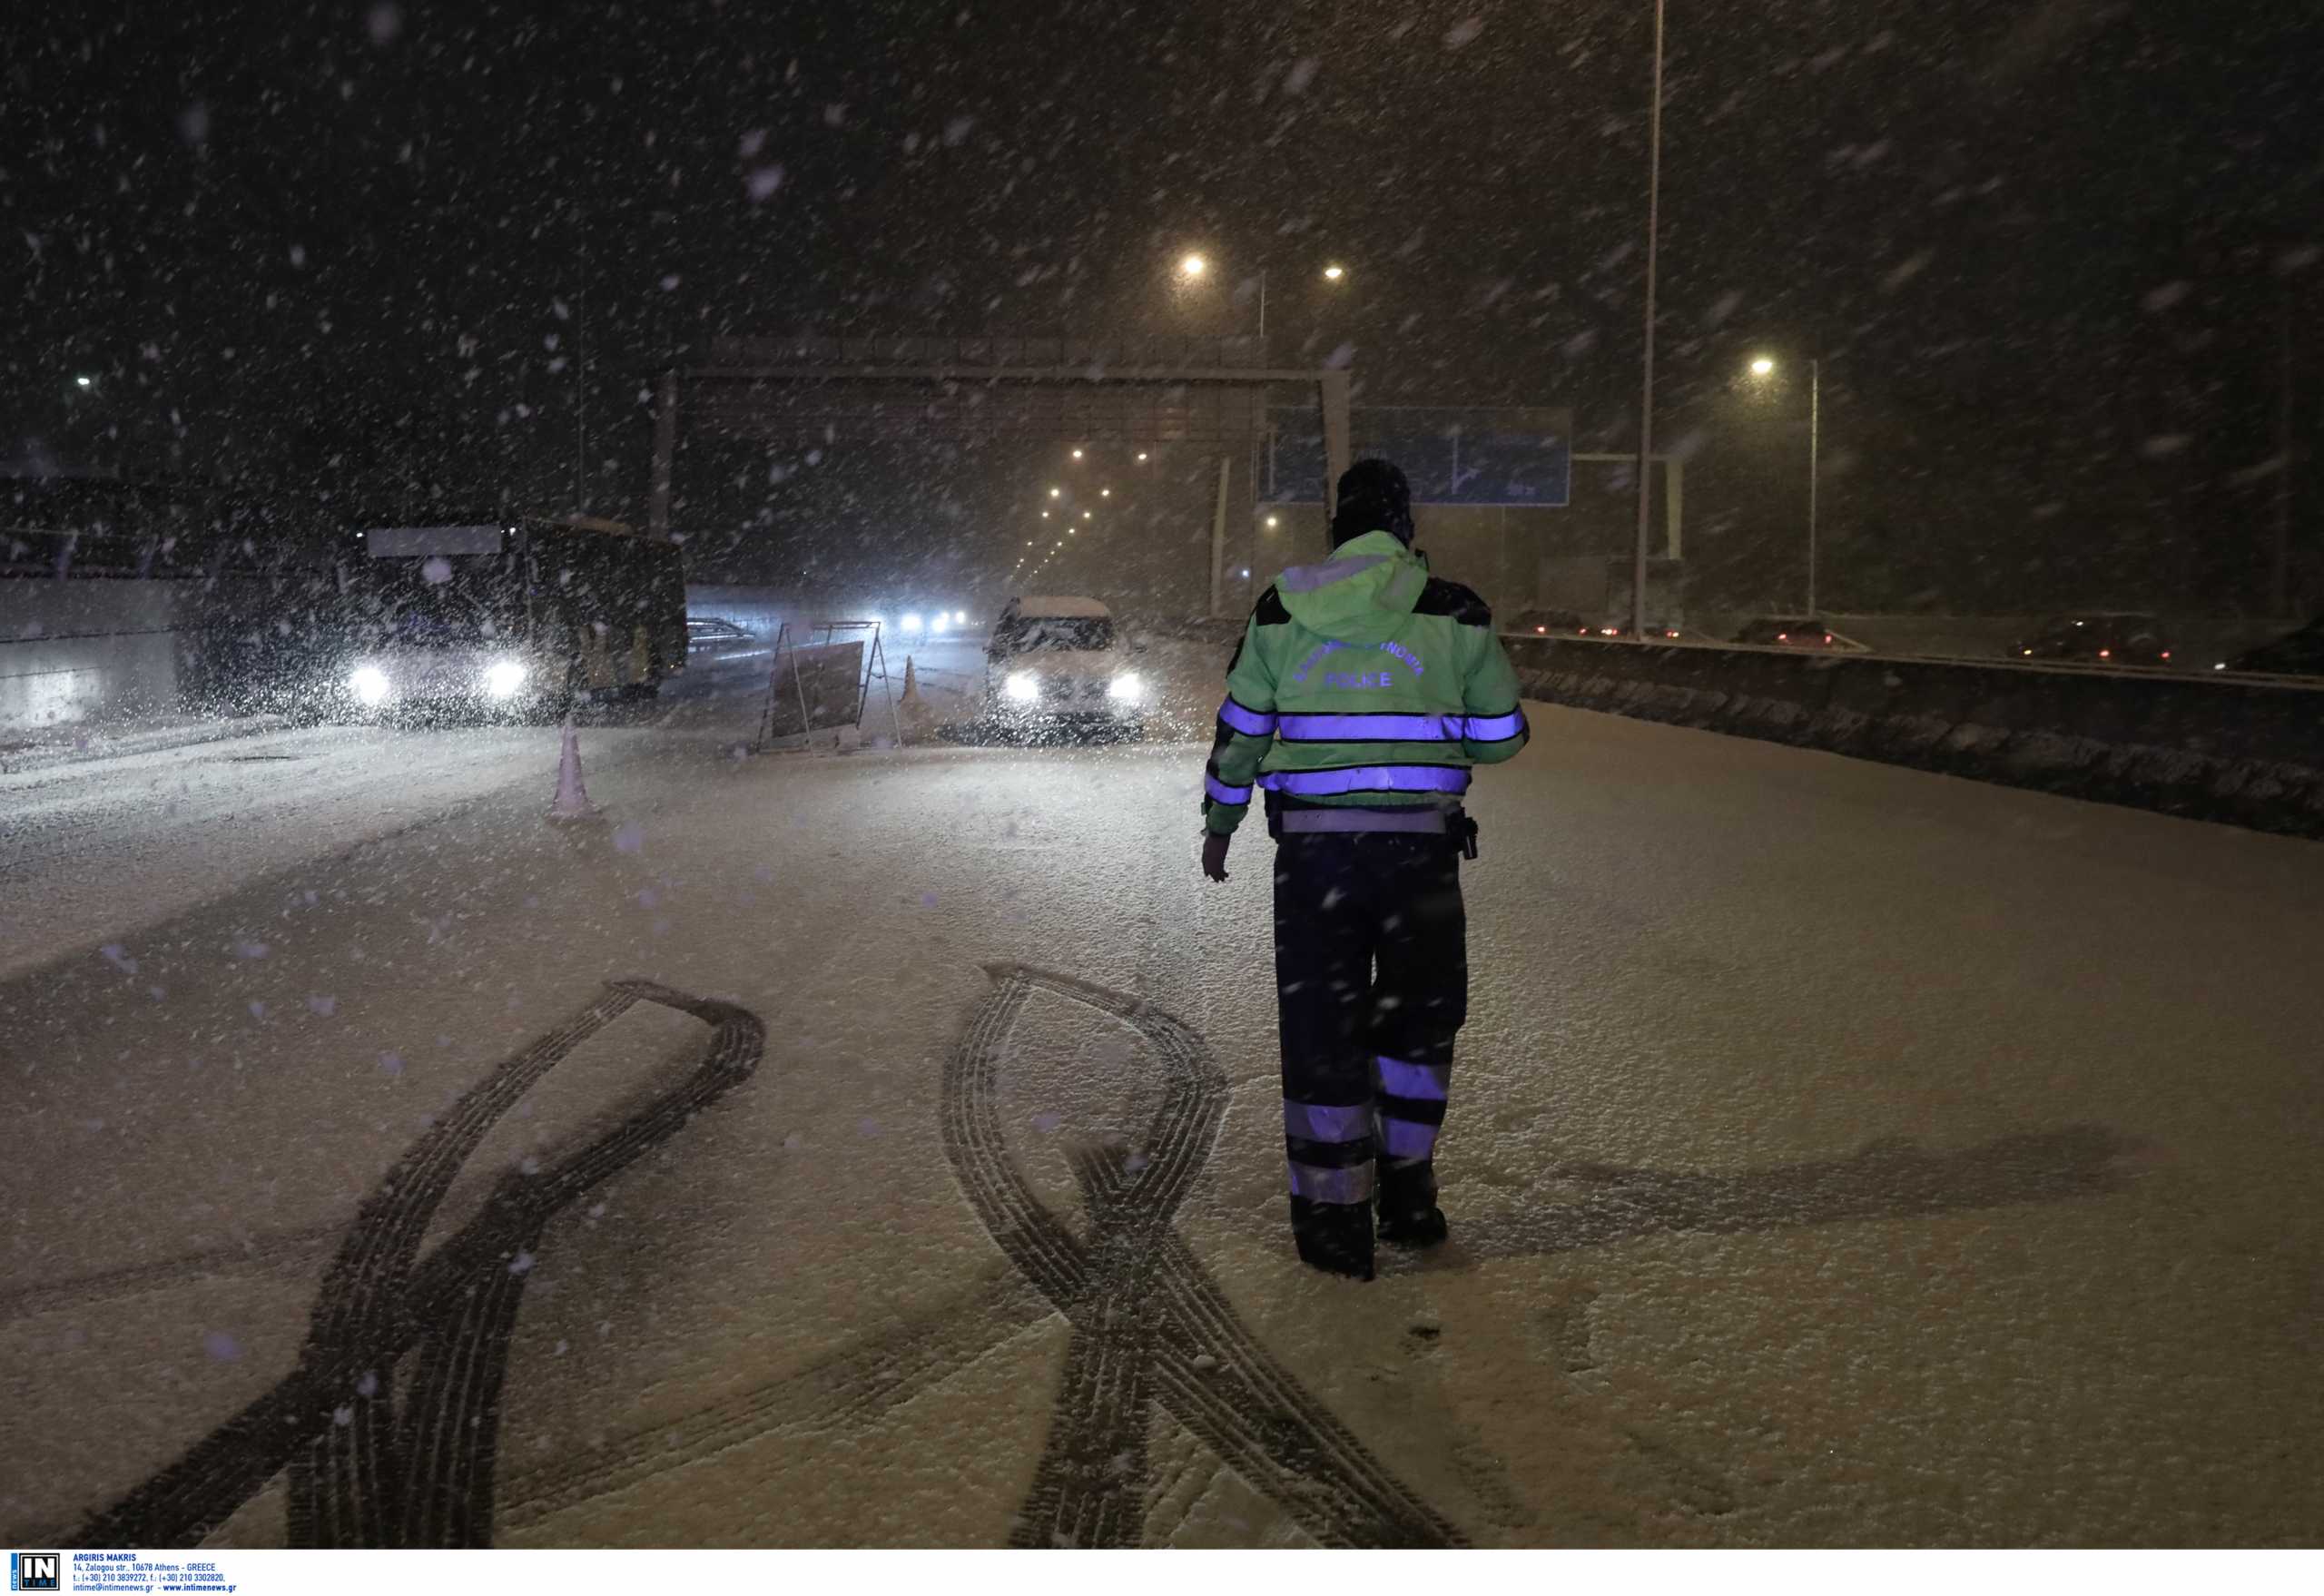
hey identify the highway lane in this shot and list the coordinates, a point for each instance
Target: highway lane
(1839, 1154)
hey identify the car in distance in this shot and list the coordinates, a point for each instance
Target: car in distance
(1059, 664)
(1547, 623)
(1796, 632)
(2100, 638)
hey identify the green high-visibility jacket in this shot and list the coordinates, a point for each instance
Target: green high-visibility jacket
(1362, 680)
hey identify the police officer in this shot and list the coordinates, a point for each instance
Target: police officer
(1363, 691)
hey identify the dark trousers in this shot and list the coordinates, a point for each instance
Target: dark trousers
(1372, 972)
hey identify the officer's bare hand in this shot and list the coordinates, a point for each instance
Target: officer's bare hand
(1213, 854)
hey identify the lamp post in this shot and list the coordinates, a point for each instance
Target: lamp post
(1814, 443)
(1646, 398)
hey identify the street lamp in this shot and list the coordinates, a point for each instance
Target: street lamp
(1077, 453)
(1764, 367)
(1193, 266)
(85, 382)
(1646, 397)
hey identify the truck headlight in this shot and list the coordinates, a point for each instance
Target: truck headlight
(1126, 688)
(1021, 688)
(502, 678)
(368, 683)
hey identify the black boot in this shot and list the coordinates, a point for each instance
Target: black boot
(1335, 1237)
(1408, 1215)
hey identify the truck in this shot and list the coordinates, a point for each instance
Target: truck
(497, 619)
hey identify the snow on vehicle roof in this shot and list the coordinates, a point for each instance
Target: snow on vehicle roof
(1039, 609)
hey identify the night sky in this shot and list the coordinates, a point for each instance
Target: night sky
(2053, 253)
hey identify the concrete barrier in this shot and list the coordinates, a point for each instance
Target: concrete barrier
(2243, 751)
(73, 652)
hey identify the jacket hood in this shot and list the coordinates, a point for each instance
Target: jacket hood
(1361, 593)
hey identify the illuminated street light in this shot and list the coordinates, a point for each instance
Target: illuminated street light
(1057, 493)
(85, 381)
(1334, 273)
(1105, 493)
(1076, 453)
(1045, 515)
(1142, 454)
(1763, 367)
(1193, 266)
(1085, 514)
(1275, 521)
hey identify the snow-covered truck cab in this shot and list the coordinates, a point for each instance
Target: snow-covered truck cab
(1061, 664)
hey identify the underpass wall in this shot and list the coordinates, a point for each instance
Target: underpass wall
(72, 652)
(2244, 752)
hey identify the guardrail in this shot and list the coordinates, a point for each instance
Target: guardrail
(2246, 750)
(842, 352)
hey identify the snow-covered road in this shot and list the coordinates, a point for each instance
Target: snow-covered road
(1838, 1155)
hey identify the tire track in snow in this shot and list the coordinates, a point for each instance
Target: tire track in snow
(359, 1476)
(1150, 1325)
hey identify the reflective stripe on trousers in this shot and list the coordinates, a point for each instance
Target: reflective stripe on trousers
(1413, 1099)
(1329, 1148)
(1351, 1185)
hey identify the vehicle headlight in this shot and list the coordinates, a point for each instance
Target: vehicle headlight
(1126, 688)
(502, 678)
(1021, 688)
(368, 683)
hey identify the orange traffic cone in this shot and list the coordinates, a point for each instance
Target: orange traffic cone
(572, 800)
(914, 720)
